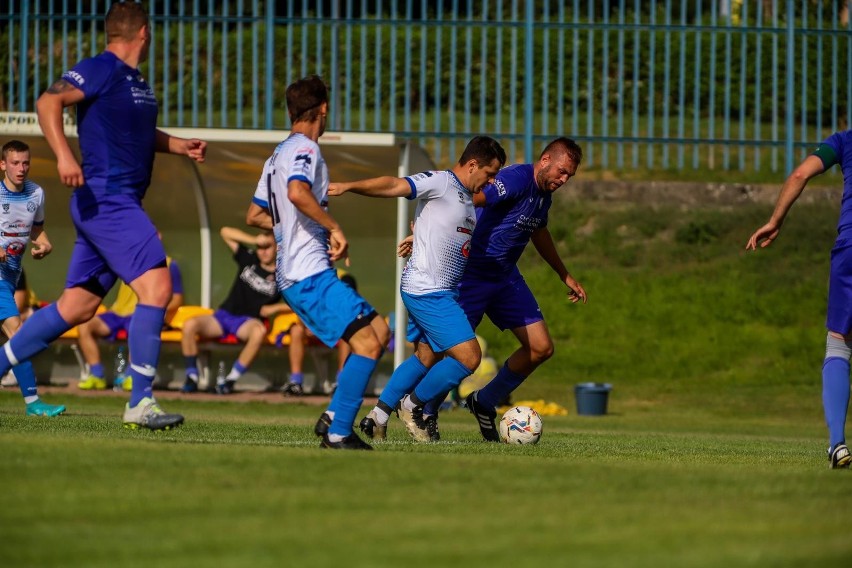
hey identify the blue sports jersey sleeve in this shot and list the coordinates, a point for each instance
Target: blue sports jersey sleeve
(89, 75)
(508, 186)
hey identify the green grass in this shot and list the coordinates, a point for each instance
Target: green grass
(712, 454)
(245, 485)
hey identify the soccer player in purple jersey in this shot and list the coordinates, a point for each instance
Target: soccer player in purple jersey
(510, 212)
(836, 149)
(117, 126)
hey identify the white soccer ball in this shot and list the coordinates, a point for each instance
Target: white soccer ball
(520, 425)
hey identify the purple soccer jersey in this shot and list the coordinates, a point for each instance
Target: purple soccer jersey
(492, 284)
(839, 314)
(116, 122)
(515, 207)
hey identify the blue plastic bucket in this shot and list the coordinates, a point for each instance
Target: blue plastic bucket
(592, 398)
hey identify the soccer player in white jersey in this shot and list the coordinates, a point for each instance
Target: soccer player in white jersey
(21, 220)
(443, 225)
(292, 200)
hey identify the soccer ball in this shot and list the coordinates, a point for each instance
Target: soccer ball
(520, 425)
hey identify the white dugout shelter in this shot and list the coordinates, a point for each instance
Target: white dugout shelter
(221, 189)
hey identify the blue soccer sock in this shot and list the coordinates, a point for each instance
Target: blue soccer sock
(403, 380)
(190, 363)
(297, 378)
(143, 340)
(441, 378)
(97, 370)
(835, 397)
(26, 379)
(349, 395)
(501, 386)
(35, 335)
(236, 371)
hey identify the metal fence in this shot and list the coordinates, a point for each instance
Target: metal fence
(642, 84)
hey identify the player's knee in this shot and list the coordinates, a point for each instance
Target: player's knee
(367, 346)
(470, 356)
(257, 331)
(541, 352)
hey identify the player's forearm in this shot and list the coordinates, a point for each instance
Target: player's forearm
(794, 185)
(306, 203)
(384, 186)
(546, 248)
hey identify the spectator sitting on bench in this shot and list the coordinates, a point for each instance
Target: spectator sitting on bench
(253, 295)
(299, 337)
(115, 321)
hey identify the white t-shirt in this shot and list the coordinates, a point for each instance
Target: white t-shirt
(443, 224)
(302, 242)
(19, 211)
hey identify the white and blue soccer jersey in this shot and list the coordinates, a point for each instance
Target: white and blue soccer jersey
(443, 224)
(19, 211)
(302, 242)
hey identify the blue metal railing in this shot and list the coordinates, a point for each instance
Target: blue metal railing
(659, 84)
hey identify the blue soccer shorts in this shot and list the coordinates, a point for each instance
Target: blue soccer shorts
(327, 305)
(438, 319)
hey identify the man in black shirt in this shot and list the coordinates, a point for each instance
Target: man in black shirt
(254, 295)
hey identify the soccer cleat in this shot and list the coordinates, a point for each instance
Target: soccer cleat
(432, 427)
(9, 380)
(292, 389)
(839, 458)
(39, 408)
(148, 414)
(322, 425)
(371, 428)
(189, 386)
(413, 420)
(92, 383)
(350, 442)
(225, 388)
(485, 418)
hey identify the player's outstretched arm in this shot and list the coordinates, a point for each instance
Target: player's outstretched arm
(384, 186)
(791, 190)
(41, 246)
(543, 242)
(193, 148)
(49, 109)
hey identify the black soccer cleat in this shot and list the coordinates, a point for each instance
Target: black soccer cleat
(371, 428)
(485, 417)
(293, 389)
(322, 425)
(431, 422)
(839, 458)
(350, 442)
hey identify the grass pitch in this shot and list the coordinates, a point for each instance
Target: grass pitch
(247, 485)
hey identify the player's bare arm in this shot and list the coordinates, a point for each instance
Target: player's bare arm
(300, 195)
(41, 246)
(384, 186)
(193, 148)
(49, 108)
(811, 167)
(543, 243)
(259, 217)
